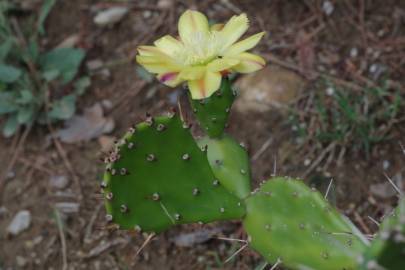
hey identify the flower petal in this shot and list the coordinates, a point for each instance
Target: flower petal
(234, 29)
(192, 73)
(192, 22)
(168, 45)
(244, 45)
(205, 86)
(155, 64)
(222, 64)
(150, 51)
(217, 27)
(249, 62)
(171, 79)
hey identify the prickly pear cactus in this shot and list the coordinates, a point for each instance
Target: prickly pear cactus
(287, 221)
(230, 164)
(158, 177)
(388, 249)
(212, 113)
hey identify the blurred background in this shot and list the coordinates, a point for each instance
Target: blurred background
(329, 105)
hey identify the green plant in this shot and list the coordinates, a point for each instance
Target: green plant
(158, 176)
(34, 85)
(347, 117)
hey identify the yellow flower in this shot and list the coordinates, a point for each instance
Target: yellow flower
(202, 54)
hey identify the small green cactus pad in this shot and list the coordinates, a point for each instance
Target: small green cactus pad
(158, 177)
(287, 221)
(387, 251)
(212, 113)
(230, 164)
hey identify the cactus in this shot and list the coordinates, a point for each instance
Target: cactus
(158, 176)
(230, 164)
(287, 221)
(388, 249)
(153, 181)
(212, 113)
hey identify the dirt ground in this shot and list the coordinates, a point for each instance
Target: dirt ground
(291, 26)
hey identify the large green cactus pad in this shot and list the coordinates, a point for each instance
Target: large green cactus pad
(158, 177)
(230, 164)
(388, 249)
(288, 221)
(212, 113)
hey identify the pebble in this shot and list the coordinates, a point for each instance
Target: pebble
(328, 7)
(20, 222)
(110, 16)
(67, 207)
(21, 261)
(59, 181)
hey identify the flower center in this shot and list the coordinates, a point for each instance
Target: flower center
(199, 48)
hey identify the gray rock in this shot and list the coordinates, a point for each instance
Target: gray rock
(67, 207)
(20, 222)
(110, 16)
(59, 181)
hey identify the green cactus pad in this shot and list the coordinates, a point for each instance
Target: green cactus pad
(158, 177)
(212, 113)
(387, 251)
(230, 164)
(286, 220)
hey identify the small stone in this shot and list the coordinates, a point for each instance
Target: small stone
(354, 52)
(94, 64)
(271, 87)
(68, 207)
(20, 222)
(21, 261)
(328, 8)
(59, 181)
(330, 91)
(110, 16)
